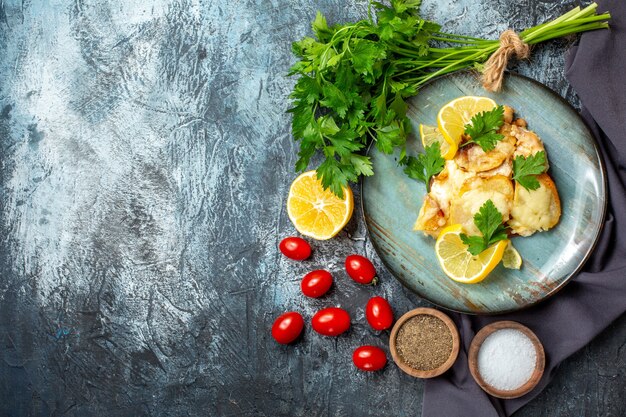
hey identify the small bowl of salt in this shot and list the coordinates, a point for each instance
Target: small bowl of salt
(506, 359)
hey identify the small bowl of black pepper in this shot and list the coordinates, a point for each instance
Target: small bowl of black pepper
(424, 342)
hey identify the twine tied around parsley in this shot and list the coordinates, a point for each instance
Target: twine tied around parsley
(493, 71)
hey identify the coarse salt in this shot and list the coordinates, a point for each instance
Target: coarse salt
(506, 359)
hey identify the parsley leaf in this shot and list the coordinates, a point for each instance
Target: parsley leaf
(320, 27)
(335, 99)
(425, 165)
(525, 170)
(390, 137)
(333, 173)
(483, 127)
(489, 221)
(404, 5)
(365, 54)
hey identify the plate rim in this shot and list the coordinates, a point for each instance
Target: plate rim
(588, 253)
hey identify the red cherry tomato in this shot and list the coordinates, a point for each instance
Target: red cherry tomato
(295, 248)
(287, 327)
(379, 313)
(369, 358)
(331, 321)
(316, 283)
(361, 269)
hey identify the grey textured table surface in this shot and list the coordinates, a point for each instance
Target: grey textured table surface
(146, 157)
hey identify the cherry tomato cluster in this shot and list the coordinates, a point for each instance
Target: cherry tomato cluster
(334, 321)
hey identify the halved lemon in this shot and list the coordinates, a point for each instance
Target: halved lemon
(458, 263)
(316, 212)
(511, 258)
(453, 117)
(431, 134)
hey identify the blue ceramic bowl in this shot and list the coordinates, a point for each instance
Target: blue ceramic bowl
(391, 202)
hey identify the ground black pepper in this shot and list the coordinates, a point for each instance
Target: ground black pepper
(424, 342)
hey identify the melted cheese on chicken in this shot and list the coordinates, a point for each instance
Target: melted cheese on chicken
(535, 210)
(448, 184)
(475, 192)
(473, 158)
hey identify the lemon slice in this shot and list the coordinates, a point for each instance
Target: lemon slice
(431, 134)
(316, 212)
(458, 263)
(511, 258)
(453, 117)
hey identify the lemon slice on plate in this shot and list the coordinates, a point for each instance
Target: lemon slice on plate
(458, 263)
(316, 212)
(511, 258)
(453, 117)
(431, 134)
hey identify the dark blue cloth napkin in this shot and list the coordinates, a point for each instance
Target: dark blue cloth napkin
(596, 68)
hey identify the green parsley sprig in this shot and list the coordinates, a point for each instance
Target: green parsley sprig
(425, 165)
(354, 79)
(526, 169)
(489, 221)
(483, 128)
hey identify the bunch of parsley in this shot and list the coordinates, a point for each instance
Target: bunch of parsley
(354, 79)
(349, 89)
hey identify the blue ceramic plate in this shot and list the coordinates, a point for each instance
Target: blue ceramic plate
(391, 202)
